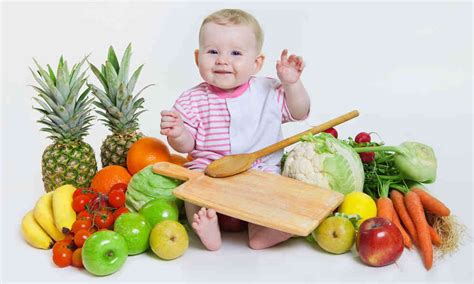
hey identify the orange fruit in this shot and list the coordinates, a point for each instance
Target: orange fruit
(178, 160)
(107, 177)
(189, 157)
(146, 151)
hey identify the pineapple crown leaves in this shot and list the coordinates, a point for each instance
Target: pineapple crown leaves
(116, 104)
(66, 110)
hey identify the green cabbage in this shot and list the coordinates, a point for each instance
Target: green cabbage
(146, 185)
(327, 162)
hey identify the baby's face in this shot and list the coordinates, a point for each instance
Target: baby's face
(228, 55)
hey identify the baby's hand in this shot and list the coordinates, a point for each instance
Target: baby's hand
(171, 124)
(289, 69)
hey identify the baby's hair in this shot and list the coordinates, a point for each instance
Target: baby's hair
(235, 17)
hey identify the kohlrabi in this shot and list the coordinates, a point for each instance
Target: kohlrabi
(414, 160)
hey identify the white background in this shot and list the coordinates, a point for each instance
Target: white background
(407, 67)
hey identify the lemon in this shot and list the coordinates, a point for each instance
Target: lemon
(360, 203)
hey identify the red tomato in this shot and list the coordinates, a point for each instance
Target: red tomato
(79, 203)
(120, 211)
(77, 258)
(98, 203)
(103, 219)
(80, 237)
(119, 186)
(60, 245)
(116, 198)
(62, 257)
(81, 225)
(84, 191)
(84, 215)
(331, 131)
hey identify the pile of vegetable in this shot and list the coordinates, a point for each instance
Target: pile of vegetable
(394, 176)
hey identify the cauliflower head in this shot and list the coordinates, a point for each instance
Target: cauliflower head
(327, 162)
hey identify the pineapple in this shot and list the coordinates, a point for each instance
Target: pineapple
(67, 118)
(118, 107)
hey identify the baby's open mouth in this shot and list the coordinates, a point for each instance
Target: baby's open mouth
(222, 72)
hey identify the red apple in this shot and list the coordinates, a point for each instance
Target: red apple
(379, 242)
(230, 224)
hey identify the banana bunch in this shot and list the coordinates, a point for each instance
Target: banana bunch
(51, 218)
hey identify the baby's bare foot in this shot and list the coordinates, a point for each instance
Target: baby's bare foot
(207, 228)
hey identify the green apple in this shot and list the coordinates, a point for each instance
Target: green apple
(169, 239)
(159, 209)
(104, 253)
(135, 229)
(335, 234)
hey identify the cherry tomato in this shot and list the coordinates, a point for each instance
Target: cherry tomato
(367, 157)
(331, 131)
(60, 245)
(120, 211)
(80, 237)
(79, 203)
(362, 137)
(77, 192)
(62, 257)
(117, 198)
(81, 225)
(84, 191)
(84, 215)
(98, 203)
(119, 186)
(77, 258)
(103, 219)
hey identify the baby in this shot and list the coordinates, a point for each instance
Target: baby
(233, 112)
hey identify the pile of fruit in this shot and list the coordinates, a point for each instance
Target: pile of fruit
(83, 216)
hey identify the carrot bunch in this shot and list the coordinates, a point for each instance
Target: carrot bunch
(409, 207)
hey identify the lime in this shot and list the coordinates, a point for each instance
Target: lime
(360, 203)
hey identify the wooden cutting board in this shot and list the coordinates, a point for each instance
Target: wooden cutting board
(265, 199)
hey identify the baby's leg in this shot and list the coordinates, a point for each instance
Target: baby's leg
(262, 237)
(204, 223)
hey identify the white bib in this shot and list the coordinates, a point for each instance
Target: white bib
(255, 122)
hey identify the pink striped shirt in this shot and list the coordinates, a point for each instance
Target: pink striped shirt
(206, 116)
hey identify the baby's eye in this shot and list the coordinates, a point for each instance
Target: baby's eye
(235, 52)
(212, 51)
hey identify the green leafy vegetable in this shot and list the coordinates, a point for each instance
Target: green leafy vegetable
(146, 185)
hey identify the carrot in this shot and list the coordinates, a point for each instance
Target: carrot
(432, 204)
(417, 214)
(384, 208)
(406, 238)
(398, 203)
(435, 238)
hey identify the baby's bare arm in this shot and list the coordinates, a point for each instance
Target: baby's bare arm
(178, 136)
(183, 143)
(297, 100)
(289, 70)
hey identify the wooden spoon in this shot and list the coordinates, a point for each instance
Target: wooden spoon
(235, 164)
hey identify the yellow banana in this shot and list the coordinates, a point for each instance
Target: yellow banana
(43, 213)
(34, 234)
(64, 215)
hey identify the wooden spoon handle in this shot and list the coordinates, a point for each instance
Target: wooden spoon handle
(175, 171)
(295, 138)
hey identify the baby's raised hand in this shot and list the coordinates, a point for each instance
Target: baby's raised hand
(171, 124)
(289, 69)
